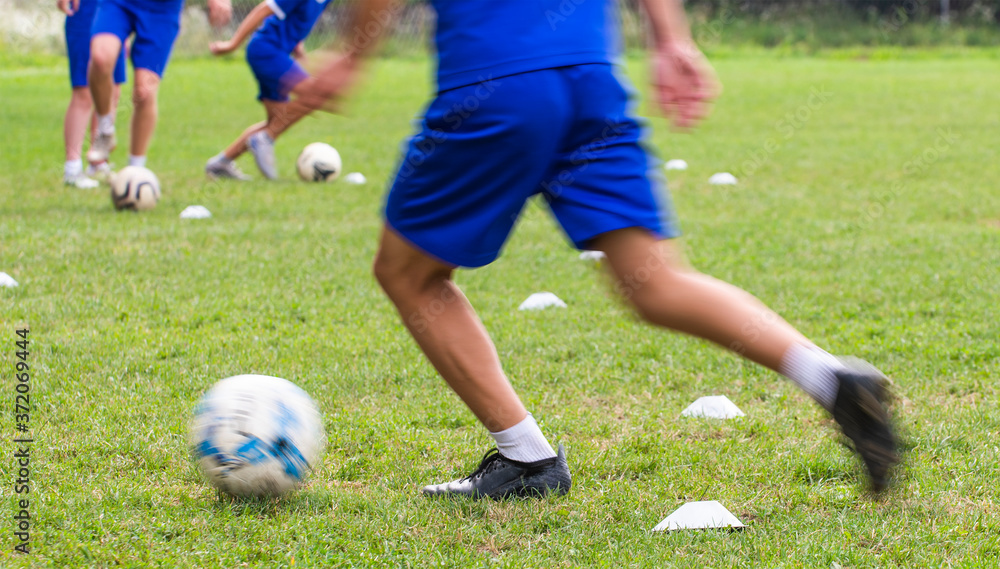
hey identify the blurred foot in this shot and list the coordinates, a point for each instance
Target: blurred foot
(80, 181)
(222, 168)
(860, 409)
(100, 171)
(104, 143)
(262, 147)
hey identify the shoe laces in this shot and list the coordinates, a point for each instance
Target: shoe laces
(491, 461)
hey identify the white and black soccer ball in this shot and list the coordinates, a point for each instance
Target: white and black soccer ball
(319, 162)
(256, 435)
(135, 188)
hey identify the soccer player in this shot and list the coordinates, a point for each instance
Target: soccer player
(79, 18)
(529, 102)
(286, 23)
(155, 24)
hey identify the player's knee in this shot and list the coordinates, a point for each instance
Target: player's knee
(81, 98)
(146, 87)
(104, 53)
(399, 276)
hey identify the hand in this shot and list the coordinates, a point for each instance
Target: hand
(300, 51)
(68, 7)
(684, 83)
(220, 12)
(221, 47)
(331, 83)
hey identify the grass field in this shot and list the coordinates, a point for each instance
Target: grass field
(867, 214)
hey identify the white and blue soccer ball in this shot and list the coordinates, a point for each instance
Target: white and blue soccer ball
(319, 162)
(256, 435)
(135, 188)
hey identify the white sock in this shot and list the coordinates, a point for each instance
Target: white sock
(220, 158)
(524, 442)
(106, 123)
(136, 160)
(72, 167)
(812, 369)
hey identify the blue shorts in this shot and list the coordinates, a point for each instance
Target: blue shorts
(276, 72)
(485, 149)
(155, 23)
(78, 45)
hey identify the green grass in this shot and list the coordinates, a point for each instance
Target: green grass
(844, 221)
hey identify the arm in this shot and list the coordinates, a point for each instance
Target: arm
(219, 12)
(369, 21)
(68, 7)
(248, 26)
(682, 78)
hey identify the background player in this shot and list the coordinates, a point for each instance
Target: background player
(155, 24)
(79, 19)
(286, 23)
(551, 117)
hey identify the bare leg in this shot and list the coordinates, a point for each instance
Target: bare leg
(78, 114)
(654, 278)
(282, 115)
(144, 115)
(104, 50)
(447, 329)
(239, 146)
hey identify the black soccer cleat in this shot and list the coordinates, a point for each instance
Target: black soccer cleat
(499, 477)
(861, 412)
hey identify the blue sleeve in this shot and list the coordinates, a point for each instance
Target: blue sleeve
(282, 8)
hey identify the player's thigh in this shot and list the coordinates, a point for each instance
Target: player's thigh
(157, 24)
(607, 177)
(479, 155)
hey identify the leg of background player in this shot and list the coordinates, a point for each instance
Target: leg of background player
(144, 115)
(104, 51)
(78, 114)
(447, 329)
(281, 116)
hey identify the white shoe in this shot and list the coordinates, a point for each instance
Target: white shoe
(216, 168)
(100, 172)
(101, 148)
(81, 182)
(262, 147)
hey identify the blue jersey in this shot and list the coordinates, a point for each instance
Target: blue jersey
(291, 23)
(479, 38)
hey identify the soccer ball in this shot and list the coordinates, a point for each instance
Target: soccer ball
(256, 435)
(319, 162)
(135, 188)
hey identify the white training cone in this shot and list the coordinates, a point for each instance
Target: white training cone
(541, 300)
(592, 255)
(713, 407)
(676, 165)
(195, 212)
(722, 178)
(699, 515)
(7, 280)
(355, 178)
